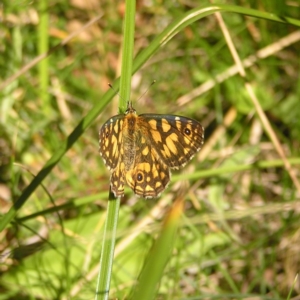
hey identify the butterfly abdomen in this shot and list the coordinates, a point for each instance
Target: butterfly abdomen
(129, 140)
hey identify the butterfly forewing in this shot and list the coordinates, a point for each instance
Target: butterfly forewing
(110, 141)
(175, 138)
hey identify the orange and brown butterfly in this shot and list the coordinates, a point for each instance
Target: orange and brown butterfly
(140, 150)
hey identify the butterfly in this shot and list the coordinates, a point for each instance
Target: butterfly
(140, 150)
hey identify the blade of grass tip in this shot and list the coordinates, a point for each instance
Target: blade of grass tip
(159, 255)
(111, 222)
(292, 287)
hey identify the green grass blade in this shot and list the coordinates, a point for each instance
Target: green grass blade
(158, 257)
(108, 246)
(127, 57)
(107, 252)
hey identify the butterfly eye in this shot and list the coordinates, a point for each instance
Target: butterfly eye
(187, 131)
(139, 177)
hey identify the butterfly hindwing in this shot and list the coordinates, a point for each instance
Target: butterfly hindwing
(149, 175)
(117, 180)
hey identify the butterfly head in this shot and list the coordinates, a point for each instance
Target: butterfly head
(130, 109)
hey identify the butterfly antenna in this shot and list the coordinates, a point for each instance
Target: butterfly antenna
(154, 81)
(110, 85)
(129, 102)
